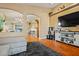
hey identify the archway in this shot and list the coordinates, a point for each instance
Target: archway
(11, 21)
(37, 22)
(33, 22)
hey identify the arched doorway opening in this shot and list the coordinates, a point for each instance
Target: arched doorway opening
(37, 23)
(33, 22)
(11, 20)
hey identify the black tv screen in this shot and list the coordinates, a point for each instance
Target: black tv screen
(69, 20)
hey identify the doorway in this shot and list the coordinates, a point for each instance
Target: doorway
(33, 22)
(37, 22)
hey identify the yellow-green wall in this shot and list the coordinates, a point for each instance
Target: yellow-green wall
(54, 19)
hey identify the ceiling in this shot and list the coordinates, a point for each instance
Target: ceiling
(44, 5)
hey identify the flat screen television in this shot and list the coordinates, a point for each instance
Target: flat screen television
(69, 20)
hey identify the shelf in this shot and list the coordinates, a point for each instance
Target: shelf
(67, 37)
(71, 6)
(69, 43)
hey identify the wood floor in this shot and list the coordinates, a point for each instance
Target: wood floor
(63, 49)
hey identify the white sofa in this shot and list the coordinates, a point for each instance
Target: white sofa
(12, 45)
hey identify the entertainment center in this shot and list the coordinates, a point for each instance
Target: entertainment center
(66, 35)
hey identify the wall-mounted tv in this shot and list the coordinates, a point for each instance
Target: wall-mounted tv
(69, 20)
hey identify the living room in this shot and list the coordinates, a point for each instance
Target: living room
(39, 29)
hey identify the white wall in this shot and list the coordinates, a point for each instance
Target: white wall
(42, 13)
